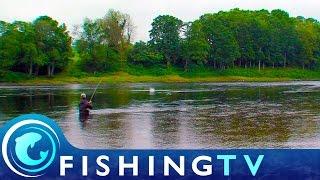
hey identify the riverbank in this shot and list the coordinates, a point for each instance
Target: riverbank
(125, 78)
(171, 76)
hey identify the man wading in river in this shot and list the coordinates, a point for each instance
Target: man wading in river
(84, 108)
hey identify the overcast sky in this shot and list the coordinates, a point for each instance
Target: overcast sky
(73, 12)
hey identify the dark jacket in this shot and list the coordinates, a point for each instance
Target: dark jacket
(84, 106)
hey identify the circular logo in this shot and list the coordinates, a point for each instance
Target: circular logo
(29, 147)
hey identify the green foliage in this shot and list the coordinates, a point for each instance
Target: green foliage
(140, 70)
(215, 44)
(224, 47)
(32, 47)
(104, 43)
(77, 72)
(101, 59)
(13, 76)
(165, 37)
(292, 73)
(8, 43)
(195, 48)
(53, 43)
(142, 53)
(238, 38)
(309, 38)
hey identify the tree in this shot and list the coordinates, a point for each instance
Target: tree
(262, 36)
(8, 44)
(286, 38)
(143, 53)
(101, 59)
(108, 39)
(165, 37)
(224, 47)
(28, 56)
(195, 48)
(118, 30)
(53, 43)
(309, 38)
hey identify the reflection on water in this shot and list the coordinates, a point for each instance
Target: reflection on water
(193, 115)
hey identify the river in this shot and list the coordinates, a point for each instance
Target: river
(181, 115)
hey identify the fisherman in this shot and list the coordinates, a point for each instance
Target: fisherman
(84, 107)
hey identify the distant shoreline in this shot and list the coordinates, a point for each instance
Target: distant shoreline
(146, 79)
(169, 76)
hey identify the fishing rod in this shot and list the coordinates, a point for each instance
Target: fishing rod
(95, 90)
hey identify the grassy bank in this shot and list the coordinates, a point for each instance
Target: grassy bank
(137, 74)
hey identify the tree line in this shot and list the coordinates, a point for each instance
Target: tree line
(236, 38)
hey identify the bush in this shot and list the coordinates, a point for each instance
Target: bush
(13, 76)
(143, 54)
(102, 59)
(140, 70)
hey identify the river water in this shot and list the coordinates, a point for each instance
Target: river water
(181, 115)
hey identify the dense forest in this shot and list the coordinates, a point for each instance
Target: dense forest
(223, 40)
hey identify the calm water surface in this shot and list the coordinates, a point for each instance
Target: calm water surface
(193, 115)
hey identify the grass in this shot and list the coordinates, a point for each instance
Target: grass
(13, 77)
(169, 75)
(124, 77)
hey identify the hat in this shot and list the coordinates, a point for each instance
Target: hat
(83, 95)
